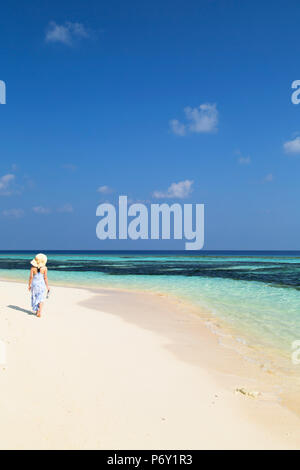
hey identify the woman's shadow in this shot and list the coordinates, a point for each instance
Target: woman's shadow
(15, 307)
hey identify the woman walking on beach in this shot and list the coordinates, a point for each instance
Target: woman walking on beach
(38, 282)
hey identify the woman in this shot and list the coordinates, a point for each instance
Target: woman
(38, 282)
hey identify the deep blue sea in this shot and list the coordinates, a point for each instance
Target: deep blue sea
(257, 293)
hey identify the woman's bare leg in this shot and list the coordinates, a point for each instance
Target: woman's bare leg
(39, 312)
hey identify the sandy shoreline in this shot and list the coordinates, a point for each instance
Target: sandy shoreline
(120, 370)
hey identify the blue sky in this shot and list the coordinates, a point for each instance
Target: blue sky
(136, 96)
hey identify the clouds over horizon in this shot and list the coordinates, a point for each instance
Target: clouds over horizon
(67, 33)
(179, 190)
(199, 120)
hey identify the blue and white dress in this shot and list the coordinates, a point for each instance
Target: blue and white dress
(38, 290)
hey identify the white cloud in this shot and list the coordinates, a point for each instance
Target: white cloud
(65, 33)
(244, 160)
(177, 128)
(5, 184)
(17, 213)
(104, 190)
(203, 119)
(66, 208)
(269, 178)
(41, 210)
(179, 190)
(292, 146)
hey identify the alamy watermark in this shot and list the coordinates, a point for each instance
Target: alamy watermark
(2, 92)
(160, 221)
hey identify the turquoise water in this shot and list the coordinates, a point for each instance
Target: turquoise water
(258, 294)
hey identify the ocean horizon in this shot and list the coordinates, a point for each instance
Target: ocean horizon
(187, 252)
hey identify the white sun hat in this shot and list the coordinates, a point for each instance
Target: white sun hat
(39, 261)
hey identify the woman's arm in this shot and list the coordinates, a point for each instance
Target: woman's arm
(30, 278)
(46, 279)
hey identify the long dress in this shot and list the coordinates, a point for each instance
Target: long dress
(38, 290)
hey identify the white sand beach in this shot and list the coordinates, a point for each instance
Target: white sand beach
(122, 370)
